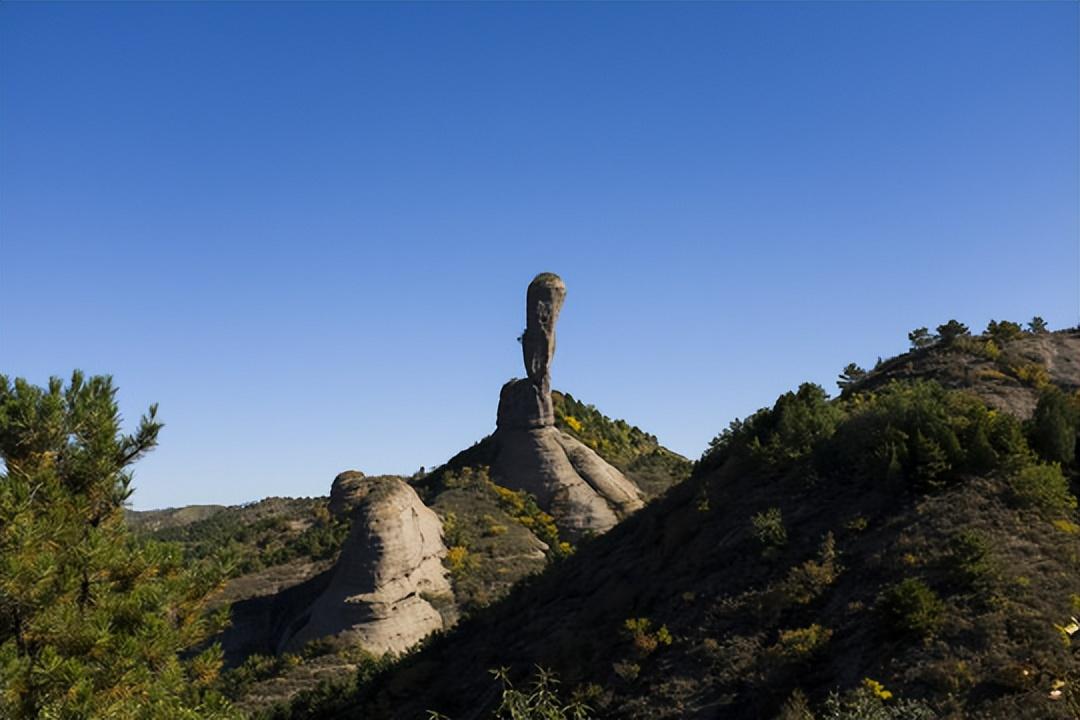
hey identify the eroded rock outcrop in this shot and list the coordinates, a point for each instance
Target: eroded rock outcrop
(390, 565)
(583, 491)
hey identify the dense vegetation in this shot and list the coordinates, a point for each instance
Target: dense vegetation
(259, 535)
(916, 434)
(92, 623)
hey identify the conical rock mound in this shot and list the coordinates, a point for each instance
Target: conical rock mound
(391, 561)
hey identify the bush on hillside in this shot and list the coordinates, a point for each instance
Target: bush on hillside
(1053, 427)
(782, 436)
(540, 700)
(863, 703)
(616, 441)
(1004, 331)
(850, 375)
(1042, 486)
(768, 529)
(910, 607)
(921, 338)
(922, 434)
(949, 332)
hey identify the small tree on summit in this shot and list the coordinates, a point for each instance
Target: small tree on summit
(1004, 331)
(852, 374)
(1037, 325)
(920, 338)
(951, 331)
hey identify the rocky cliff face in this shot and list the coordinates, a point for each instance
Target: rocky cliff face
(389, 566)
(569, 480)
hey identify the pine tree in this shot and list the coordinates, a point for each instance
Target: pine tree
(92, 623)
(852, 374)
(921, 338)
(1003, 332)
(1053, 426)
(949, 332)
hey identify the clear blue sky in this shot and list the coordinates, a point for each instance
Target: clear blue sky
(306, 229)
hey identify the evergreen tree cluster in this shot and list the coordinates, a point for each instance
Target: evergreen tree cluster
(93, 623)
(910, 433)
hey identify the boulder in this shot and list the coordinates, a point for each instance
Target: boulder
(346, 490)
(390, 565)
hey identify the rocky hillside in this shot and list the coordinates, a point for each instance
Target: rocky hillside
(282, 551)
(909, 550)
(325, 588)
(1006, 368)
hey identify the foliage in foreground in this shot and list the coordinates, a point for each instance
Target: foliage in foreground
(538, 701)
(92, 622)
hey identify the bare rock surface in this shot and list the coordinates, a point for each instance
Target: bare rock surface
(346, 491)
(583, 491)
(390, 564)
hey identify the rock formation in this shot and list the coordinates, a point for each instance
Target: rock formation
(390, 564)
(569, 480)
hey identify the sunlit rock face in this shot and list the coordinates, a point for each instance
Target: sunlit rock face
(583, 491)
(390, 564)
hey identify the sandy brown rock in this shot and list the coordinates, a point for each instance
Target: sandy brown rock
(391, 561)
(524, 405)
(346, 491)
(543, 301)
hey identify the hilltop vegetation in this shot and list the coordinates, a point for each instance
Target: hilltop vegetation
(635, 452)
(1005, 366)
(252, 537)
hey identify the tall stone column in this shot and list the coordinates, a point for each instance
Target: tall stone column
(526, 403)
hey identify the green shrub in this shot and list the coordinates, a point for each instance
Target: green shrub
(645, 641)
(910, 607)
(799, 644)
(768, 529)
(539, 701)
(951, 331)
(863, 703)
(971, 559)
(796, 707)
(1042, 486)
(807, 581)
(781, 436)
(1004, 331)
(921, 338)
(1053, 427)
(617, 441)
(850, 375)
(920, 433)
